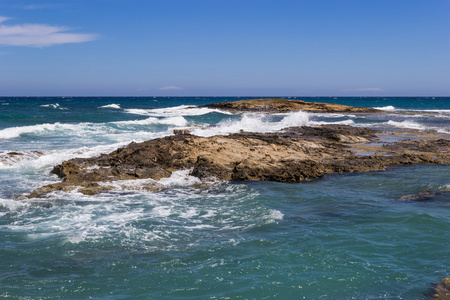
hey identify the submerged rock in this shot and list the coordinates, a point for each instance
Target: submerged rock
(292, 155)
(426, 195)
(441, 290)
(276, 105)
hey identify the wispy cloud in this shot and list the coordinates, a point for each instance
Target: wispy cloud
(39, 6)
(39, 35)
(171, 88)
(365, 90)
(3, 19)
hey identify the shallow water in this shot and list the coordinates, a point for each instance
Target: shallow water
(345, 236)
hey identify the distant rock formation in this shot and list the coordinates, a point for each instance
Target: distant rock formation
(276, 105)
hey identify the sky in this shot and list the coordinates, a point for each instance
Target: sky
(225, 48)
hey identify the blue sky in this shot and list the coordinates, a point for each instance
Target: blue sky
(225, 48)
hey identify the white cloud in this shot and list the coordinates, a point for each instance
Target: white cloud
(39, 6)
(39, 35)
(366, 90)
(171, 88)
(3, 19)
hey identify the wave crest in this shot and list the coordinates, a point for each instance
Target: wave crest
(255, 123)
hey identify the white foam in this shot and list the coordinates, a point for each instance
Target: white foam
(443, 111)
(254, 123)
(10, 205)
(275, 215)
(142, 219)
(182, 110)
(387, 108)
(46, 159)
(418, 126)
(344, 122)
(132, 184)
(115, 106)
(86, 129)
(13, 132)
(407, 125)
(55, 106)
(180, 178)
(334, 115)
(8, 159)
(177, 121)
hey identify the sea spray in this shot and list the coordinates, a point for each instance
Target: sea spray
(255, 123)
(113, 105)
(182, 110)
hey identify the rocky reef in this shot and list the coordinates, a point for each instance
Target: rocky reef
(440, 290)
(276, 105)
(293, 155)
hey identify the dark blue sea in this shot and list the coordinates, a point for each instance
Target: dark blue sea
(345, 236)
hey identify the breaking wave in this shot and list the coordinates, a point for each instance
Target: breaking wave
(54, 105)
(115, 106)
(177, 121)
(255, 123)
(48, 158)
(182, 110)
(63, 129)
(416, 126)
(386, 108)
(13, 132)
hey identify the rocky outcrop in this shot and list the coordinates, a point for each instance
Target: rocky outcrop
(427, 195)
(284, 106)
(441, 290)
(293, 155)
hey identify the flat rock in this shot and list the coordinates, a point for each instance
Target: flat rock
(276, 105)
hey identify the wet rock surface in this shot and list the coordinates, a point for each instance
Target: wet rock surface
(427, 195)
(276, 105)
(440, 290)
(293, 155)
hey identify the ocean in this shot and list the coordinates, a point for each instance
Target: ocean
(344, 236)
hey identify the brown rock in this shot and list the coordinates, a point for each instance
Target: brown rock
(441, 290)
(426, 195)
(276, 105)
(293, 155)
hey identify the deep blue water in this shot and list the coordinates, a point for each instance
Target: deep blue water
(341, 237)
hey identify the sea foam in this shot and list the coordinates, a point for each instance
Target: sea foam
(13, 132)
(85, 129)
(115, 106)
(39, 160)
(407, 125)
(182, 110)
(386, 108)
(177, 121)
(54, 105)
(254, 123)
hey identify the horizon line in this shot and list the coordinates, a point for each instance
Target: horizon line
(229, 96)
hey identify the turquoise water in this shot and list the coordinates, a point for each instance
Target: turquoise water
(341, 237)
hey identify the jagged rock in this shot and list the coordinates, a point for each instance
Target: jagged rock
(276, 105)
(441, 290)
(292, 155)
